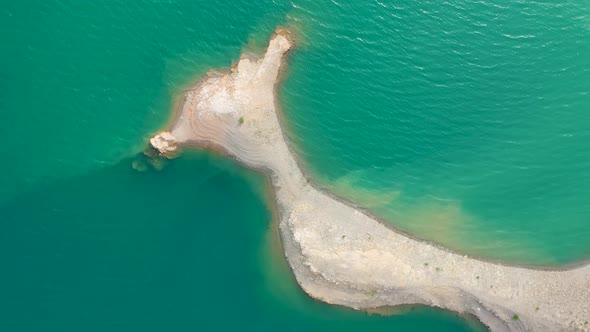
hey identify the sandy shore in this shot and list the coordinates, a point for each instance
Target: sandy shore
(342, 255)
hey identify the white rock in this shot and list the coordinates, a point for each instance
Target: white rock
(164, 142)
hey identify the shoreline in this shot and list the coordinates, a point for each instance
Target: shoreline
(315, 263)
(219, 150)
(278, 257)
(326, 191)
(178, 104)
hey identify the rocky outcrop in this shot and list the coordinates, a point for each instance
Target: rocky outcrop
(165, 143)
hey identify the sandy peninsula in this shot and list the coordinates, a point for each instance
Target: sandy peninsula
(340, 254)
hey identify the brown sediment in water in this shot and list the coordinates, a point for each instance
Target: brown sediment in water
(341, 254)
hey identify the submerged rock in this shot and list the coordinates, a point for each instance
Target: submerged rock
(139, 166)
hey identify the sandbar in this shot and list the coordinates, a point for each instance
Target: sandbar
(341, 254)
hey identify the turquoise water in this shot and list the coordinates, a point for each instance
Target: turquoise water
(462, 122)
(88, 243)
(121, 250)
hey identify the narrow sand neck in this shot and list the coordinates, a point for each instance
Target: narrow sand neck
(341, 255)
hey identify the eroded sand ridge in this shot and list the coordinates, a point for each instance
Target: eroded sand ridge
(343, 256)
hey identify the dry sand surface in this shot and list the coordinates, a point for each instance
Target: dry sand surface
(340, 254)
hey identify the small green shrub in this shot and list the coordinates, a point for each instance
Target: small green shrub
(241, 120)
(515, 317)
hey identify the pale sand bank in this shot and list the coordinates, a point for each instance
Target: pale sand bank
(340, 254)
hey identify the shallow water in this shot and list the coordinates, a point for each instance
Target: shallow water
(461, 122)
(466, 123)
(88, 243)
(187, 248)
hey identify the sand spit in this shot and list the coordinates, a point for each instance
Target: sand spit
(343, 256)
